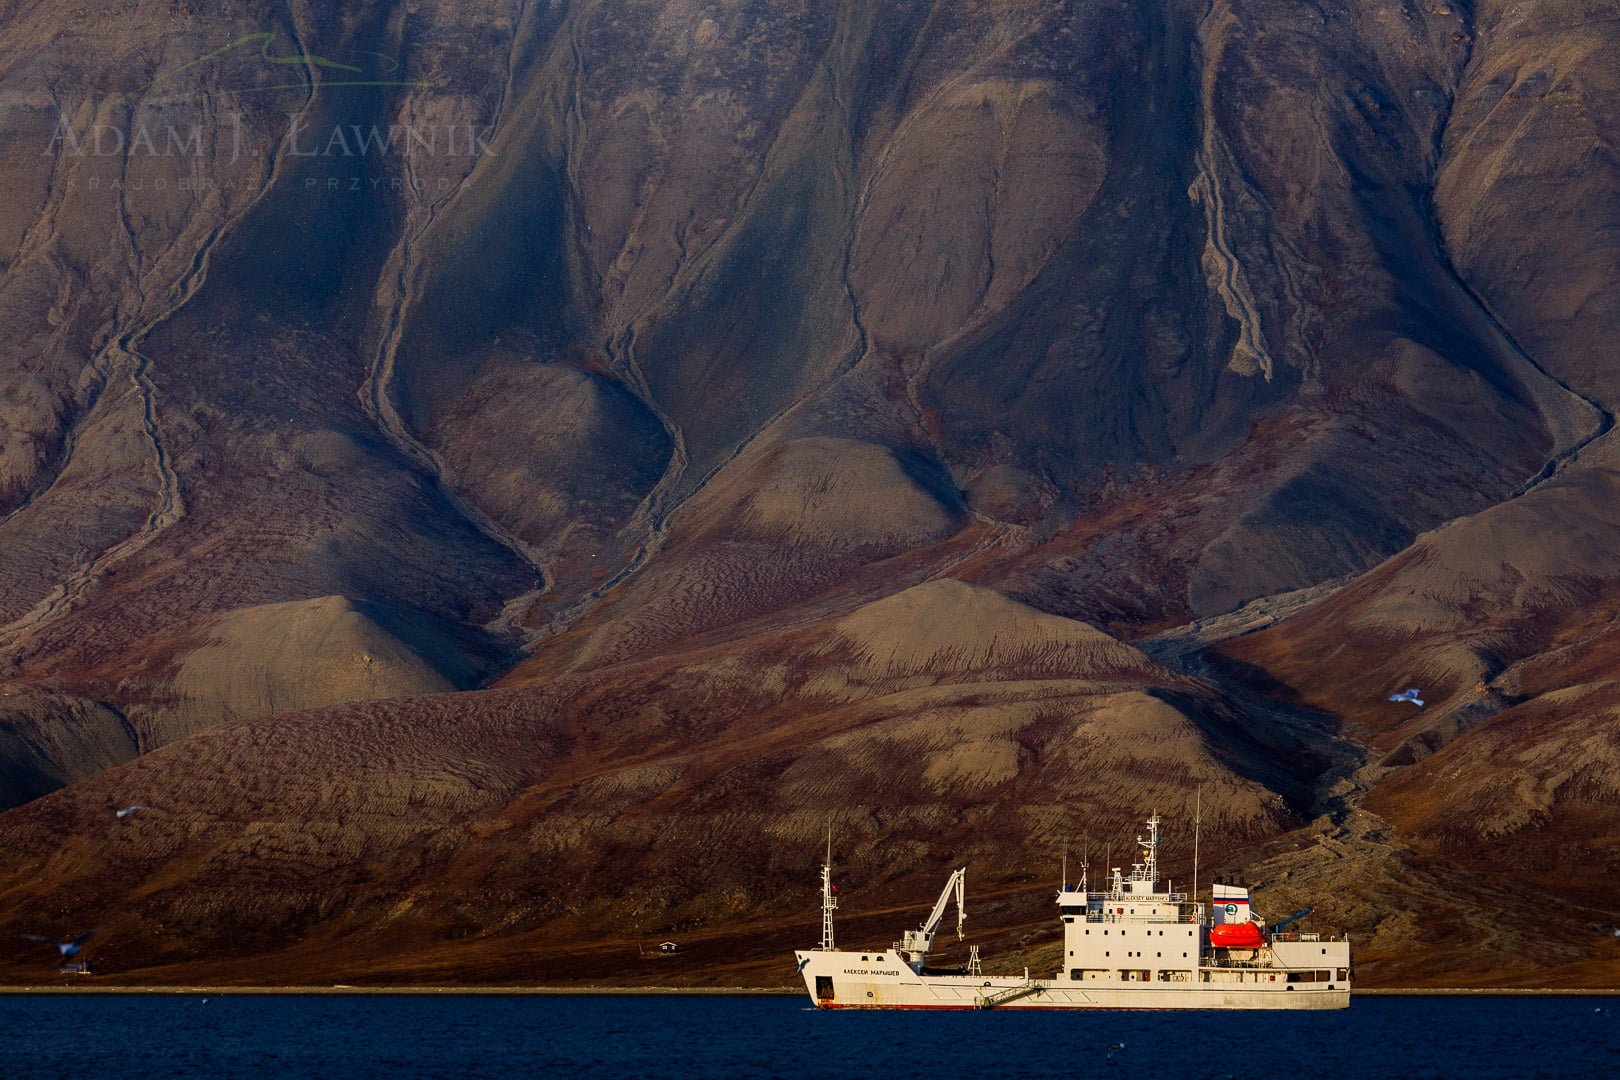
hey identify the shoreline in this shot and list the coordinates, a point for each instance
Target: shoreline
(659, 991)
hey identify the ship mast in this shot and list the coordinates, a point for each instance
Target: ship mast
(829, 898)
(1148, 869)
(1198, 820)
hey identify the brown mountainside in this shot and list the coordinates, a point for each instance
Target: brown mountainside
(496, 480)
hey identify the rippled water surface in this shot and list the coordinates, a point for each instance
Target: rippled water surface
(171, 1036)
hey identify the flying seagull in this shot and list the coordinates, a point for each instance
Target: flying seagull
(1409, 695)
(125, 811)
(68, 949)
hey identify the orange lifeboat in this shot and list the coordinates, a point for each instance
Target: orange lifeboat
(1242, 935)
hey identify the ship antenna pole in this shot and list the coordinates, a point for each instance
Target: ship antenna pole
(1198, 814)
(1064, 887)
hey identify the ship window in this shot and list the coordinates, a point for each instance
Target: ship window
(863, 959)
(1106, 952)
(880, 959)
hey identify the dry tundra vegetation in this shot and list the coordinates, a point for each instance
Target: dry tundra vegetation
(969, 425)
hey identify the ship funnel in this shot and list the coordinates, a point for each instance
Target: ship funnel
(1231, 904)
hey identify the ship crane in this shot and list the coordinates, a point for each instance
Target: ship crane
(1291, 920)
(916, 943)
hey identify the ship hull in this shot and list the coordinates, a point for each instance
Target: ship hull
(839, 981)
(1318, 1000)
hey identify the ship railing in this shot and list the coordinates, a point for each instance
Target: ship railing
(1111, 918)
(1143, 898)
(1287, 936)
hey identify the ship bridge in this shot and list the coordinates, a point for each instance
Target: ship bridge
(1132, 897)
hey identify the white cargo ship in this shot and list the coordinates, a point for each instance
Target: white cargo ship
(1130, 945)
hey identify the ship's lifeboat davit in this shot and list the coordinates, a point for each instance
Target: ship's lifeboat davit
(1242, 935)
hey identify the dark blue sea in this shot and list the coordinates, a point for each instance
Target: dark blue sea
(164, 1036)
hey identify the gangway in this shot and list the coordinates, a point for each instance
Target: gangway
(1012, 993)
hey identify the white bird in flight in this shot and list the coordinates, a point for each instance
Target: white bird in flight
(125, 811)
(1409, 695)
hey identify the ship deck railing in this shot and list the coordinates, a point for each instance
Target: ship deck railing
(1259, 965)
(1142, 898)
(1110, 918)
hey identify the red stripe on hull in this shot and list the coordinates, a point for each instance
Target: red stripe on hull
(952, 1008)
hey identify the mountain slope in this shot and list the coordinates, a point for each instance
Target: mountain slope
(624, 434)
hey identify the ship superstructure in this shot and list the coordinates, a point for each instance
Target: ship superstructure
(1129, 945)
